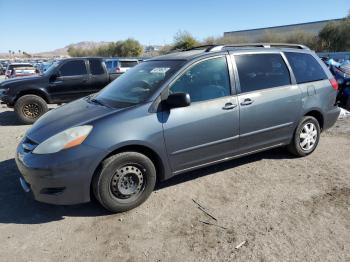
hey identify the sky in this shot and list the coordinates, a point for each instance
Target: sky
(36, 26)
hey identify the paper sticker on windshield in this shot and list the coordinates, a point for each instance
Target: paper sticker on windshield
(160, 70)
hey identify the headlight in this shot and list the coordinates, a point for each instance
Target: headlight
(69, 138)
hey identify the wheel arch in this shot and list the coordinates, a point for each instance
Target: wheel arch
(36, 92)
(318, 115)
(142, 149)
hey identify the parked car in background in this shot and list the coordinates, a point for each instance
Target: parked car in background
(119, 66)
(65, 81)
(342, 75)
(176, 113)
(19, 70)
(4, 64)
(2, 70)
(43, 66)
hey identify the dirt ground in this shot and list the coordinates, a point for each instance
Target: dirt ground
(281, 208)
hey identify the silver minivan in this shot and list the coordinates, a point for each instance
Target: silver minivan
(176, 113)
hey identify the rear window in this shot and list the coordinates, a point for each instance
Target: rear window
(261, 71)
(305, 67)
(128, 63)
(96, 67)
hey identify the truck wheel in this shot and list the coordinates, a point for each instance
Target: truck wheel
(306, 137)
(124, 181)
(29, 108)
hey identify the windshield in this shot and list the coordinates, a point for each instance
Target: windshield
(139, 83)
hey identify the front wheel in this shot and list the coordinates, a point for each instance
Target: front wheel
(306, 137)
(124, 181)
(29, 108)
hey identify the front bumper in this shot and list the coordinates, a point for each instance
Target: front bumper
(4, 98)
(62, 178)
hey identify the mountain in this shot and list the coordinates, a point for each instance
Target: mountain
(64, 51)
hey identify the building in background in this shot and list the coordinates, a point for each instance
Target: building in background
(253, 35)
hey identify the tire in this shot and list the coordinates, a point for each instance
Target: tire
(124, 181)
(312, 137)
(30, 108)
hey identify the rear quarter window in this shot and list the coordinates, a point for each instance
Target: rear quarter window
(305, 67)
(261, 71)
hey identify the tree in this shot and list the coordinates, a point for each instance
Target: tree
(304, 38)
(227, 40)
(166, 49)
(129, 47)
(26, 54)
(335, 36)
(183, 40)
(269, 37)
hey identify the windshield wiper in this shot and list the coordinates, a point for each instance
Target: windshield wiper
(96, 101)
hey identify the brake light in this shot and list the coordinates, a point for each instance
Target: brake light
(334, 84)
(117, 70)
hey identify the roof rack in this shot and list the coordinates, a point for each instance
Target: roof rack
(213, 48)
(200, 47)
(269, 45)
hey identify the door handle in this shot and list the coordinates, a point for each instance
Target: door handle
(247, 102)
(229, 106)
(55, 83)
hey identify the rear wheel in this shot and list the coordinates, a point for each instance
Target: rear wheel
(29, 108)
(306, 137)
(124, 181)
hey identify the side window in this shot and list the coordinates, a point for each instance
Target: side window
(206, 80)
(261, 71)
(305, 67)
(96, 67)
(108, 64)
(73, 68)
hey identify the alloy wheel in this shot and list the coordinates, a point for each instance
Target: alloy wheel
(31, 110)
(308, 136)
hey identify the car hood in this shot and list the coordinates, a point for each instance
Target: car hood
(21, 80)
(79, 112)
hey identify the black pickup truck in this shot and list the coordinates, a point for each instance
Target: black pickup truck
(65, 81)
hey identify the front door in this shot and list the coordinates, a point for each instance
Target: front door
(71, 83)
(207, 130)
(269, 103)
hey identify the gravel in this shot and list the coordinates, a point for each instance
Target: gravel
(268, 207)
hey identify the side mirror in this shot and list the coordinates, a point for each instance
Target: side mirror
(178, 100)
(54, 76)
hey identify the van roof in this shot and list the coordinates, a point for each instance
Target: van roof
(217, 49)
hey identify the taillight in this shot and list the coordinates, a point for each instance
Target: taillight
(117, 70)
(334, 84)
